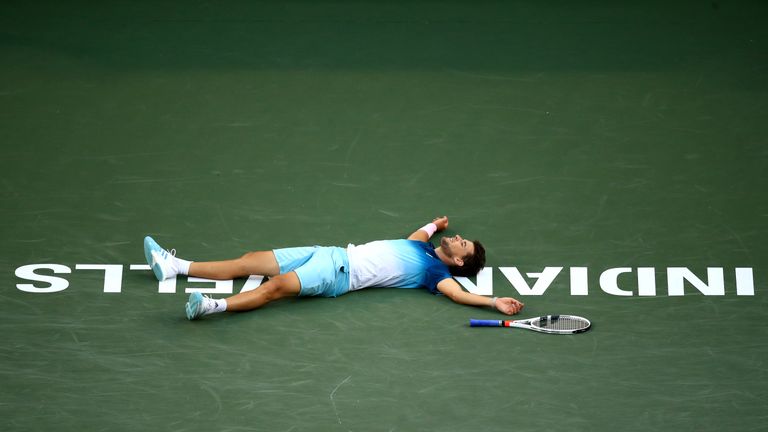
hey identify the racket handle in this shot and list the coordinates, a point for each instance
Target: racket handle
(485, 323)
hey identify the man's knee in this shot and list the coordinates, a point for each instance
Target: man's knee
(282, 286)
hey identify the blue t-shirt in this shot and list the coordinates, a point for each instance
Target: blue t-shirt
(395, 264)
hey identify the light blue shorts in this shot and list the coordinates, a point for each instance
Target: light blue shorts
(322, 271)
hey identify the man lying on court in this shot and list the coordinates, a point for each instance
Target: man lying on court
(333, 271)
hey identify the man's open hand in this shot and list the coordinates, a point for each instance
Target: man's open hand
(508, 305)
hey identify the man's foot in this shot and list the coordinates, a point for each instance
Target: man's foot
(159, 259)
(198, 305)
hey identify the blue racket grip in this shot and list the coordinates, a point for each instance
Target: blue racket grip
(485, 323)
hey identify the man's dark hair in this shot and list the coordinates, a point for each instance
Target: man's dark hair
(472, 263)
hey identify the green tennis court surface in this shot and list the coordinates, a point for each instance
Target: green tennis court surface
(623, 142)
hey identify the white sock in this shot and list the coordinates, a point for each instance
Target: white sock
(221, 305)
(182, 266)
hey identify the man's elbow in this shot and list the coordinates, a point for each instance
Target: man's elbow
(419, 236)
(455, 296)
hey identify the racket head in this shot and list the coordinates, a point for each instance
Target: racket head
(560, 324)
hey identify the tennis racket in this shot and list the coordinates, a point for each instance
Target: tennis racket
(553, 324)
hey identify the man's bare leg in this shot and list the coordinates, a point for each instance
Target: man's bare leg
(253, 263)
(258, 263)
(285, 285)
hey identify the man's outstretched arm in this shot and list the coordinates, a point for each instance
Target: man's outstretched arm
(422, 234)
(453, 290)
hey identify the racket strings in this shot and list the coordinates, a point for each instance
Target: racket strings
(563, 323)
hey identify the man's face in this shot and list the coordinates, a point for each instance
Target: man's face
(457, 246)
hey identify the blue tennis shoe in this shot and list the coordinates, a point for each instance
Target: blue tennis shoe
(197, 306)
(159, 259)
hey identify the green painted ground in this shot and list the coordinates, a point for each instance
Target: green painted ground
(596, 135)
